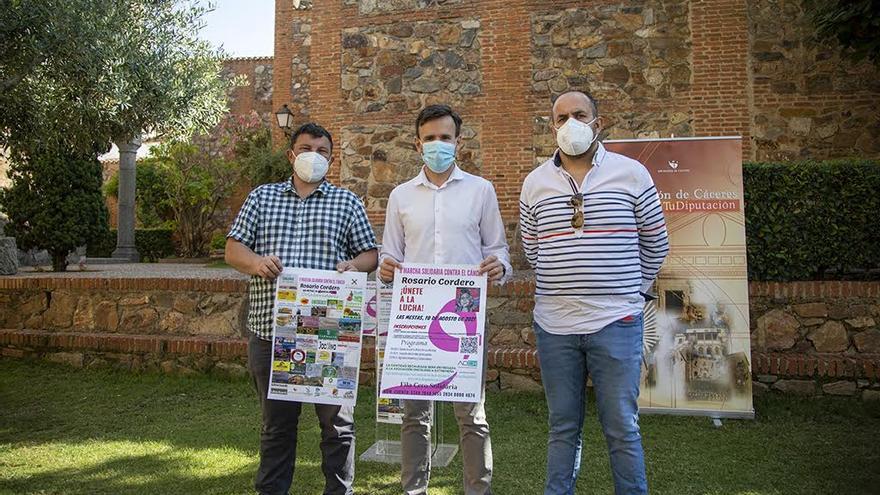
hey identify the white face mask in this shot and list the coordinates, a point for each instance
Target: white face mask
(575, 137)
(311, 167)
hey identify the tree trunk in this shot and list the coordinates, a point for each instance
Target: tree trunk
(59, 261)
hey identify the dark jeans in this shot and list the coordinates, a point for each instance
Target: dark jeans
(278, 434)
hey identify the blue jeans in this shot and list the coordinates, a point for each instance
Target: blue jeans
(613, 358)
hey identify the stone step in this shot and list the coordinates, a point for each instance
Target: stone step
(107, 261)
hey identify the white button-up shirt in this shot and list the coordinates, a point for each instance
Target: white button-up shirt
(455, 223)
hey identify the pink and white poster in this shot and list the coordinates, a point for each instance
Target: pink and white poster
(436, 334)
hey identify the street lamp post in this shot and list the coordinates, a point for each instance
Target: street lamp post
(284, 117)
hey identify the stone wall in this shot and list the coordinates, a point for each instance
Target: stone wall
(809, 330)
(300, 71)
(807, 337)
(152, 312)
(634, 59)
(631, 57)
(405, 66)
(809, 101)
(377, 158)
(256, 94)
(658, 68)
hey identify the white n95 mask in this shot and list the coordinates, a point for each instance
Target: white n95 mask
(575, 137)
(311, 167)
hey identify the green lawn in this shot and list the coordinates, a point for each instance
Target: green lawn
(66, 431)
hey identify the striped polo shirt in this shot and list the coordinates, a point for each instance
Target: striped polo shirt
(589, 277)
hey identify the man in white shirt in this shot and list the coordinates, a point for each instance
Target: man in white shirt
(444, 216)
(593, 230)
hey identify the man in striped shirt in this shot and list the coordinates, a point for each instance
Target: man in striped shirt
(593, 230)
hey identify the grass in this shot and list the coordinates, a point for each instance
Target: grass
(66, 431)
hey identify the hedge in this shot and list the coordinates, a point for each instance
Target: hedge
(152, 244)
(812, 220)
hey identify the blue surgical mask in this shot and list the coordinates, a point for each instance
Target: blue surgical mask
(438, 155)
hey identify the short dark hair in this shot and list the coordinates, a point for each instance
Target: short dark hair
(593, 103)
(312, 129)
(433, 112)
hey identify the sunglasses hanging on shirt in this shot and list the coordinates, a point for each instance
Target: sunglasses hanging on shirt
(576, 202)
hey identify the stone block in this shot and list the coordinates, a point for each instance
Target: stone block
(861, 322)
(106, 316)
(777, 330)
(231, 369)
(830, 337)
(61, 308)
(173, 322)
(492, 375)
(74, 359)
(84, 316)
(506, 337)
(135, 320)
(767, 378)
(811, 310)
(221, 324)
(868, 341)
(134, 300)
(796, 387)
(518, 383)
(842, 387)
(184, 303)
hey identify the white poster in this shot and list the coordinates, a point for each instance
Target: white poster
(316, 336)
(435, 335)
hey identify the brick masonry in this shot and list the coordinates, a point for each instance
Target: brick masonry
(256, 94)
(707, 68)
(824, 333)
(683, 67)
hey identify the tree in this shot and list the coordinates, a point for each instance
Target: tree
(247, 139)
(80, 72)
(197, 184)
(854, 23)
(55, 203)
